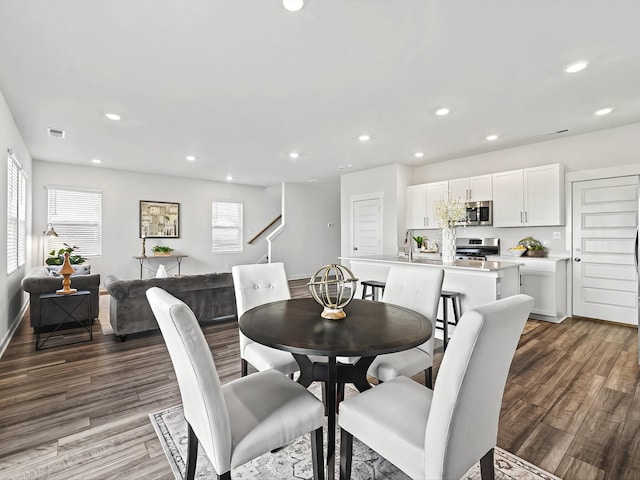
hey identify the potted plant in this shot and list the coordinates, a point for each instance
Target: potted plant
(57, 258)
(419, 241)
(162, 250)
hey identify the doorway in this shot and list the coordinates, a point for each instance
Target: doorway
(366, 238)
(605, 219)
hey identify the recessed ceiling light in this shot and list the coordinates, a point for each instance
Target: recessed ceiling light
(312, 180)
(491, 138)
(364, 137)
(294, 155)
(112, 116)
(603, 111)
(96, 160)
(229, 178)
(418, 154)
(191, 158)
(442, 111)
(576, 67)
(293, 5)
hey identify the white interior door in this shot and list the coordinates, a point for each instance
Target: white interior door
(367, 227)
(605, 218)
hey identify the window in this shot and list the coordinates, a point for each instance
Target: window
(226, 227)
(76, 214)
(16, 214)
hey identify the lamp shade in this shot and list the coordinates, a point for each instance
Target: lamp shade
(50, 231)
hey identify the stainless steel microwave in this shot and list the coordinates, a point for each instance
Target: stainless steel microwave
(479, 213)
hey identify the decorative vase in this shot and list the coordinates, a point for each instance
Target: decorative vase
(448, 245)
(161, 272)
(66, 272)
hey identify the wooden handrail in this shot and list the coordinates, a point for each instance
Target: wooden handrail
(264, 229)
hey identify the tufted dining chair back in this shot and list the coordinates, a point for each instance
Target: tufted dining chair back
(257, 284)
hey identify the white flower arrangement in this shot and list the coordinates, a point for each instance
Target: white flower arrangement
(449, 211)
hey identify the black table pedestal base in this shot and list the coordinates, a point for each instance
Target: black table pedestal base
(333, 374)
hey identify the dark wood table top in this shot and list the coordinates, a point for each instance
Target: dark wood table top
(370, 328)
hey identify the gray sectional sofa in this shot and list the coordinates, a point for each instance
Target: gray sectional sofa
(210, 296)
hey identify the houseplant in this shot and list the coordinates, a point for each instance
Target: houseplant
(162, 250)
(57, 258)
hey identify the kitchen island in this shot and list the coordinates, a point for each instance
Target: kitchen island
(478, 281)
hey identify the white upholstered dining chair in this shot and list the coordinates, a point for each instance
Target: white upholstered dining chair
(417, 289)
(254, 285)
(441, 433)
(243, 419)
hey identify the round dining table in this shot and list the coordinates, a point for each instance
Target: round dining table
(369, 329)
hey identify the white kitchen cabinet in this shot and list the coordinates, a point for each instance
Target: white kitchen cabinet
(481, 188)
(472, 189)
(420, 200)
(545, 279)
(435, 191)
(529, 197)
(416, 213)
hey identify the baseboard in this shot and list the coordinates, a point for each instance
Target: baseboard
(13, 328)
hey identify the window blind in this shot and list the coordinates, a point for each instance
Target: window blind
(76, 215)
(16, 214)
(227, 227)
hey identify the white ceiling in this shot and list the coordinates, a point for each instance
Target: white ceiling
(241, 83)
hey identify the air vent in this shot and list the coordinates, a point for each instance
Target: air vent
(56, 132)
(557, 132)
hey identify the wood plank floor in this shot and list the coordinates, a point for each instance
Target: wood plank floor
(571, 406)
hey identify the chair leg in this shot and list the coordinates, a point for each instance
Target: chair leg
(243, 367)
(428, 377)
(487, 471)
(317, 455)
(192, 453)
(346, 452)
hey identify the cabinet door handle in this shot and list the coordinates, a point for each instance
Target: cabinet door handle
(577, 259)
(469, 194)
(425, 221)
(520, 217)
(526, 217)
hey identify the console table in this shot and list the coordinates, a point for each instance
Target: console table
(174, 258)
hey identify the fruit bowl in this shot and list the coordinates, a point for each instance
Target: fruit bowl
(517, 252)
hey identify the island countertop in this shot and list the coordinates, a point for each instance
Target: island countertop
(474, 265)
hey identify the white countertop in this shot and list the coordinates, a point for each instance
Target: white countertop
(475, 265)
(507, 257)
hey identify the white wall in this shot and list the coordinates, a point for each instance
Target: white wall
(307, 241)
(121, 194)
(12, 299)
(389, 179)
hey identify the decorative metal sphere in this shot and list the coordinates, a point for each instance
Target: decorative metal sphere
(330, 287)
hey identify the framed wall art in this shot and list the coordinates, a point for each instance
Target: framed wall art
(159, 219)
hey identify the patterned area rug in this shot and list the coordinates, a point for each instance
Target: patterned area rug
(294, 461)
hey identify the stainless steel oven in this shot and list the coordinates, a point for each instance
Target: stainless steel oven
(479, 213)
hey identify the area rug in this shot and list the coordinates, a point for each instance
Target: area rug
(294, 460)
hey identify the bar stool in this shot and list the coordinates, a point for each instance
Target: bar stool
(375, 286)
(455, 303)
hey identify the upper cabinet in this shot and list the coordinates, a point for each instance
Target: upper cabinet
(416, 206)
(529, 197)
(472, 189)
(420, 200)
(435, 191)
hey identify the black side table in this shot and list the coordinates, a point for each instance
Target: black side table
(69, 309)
